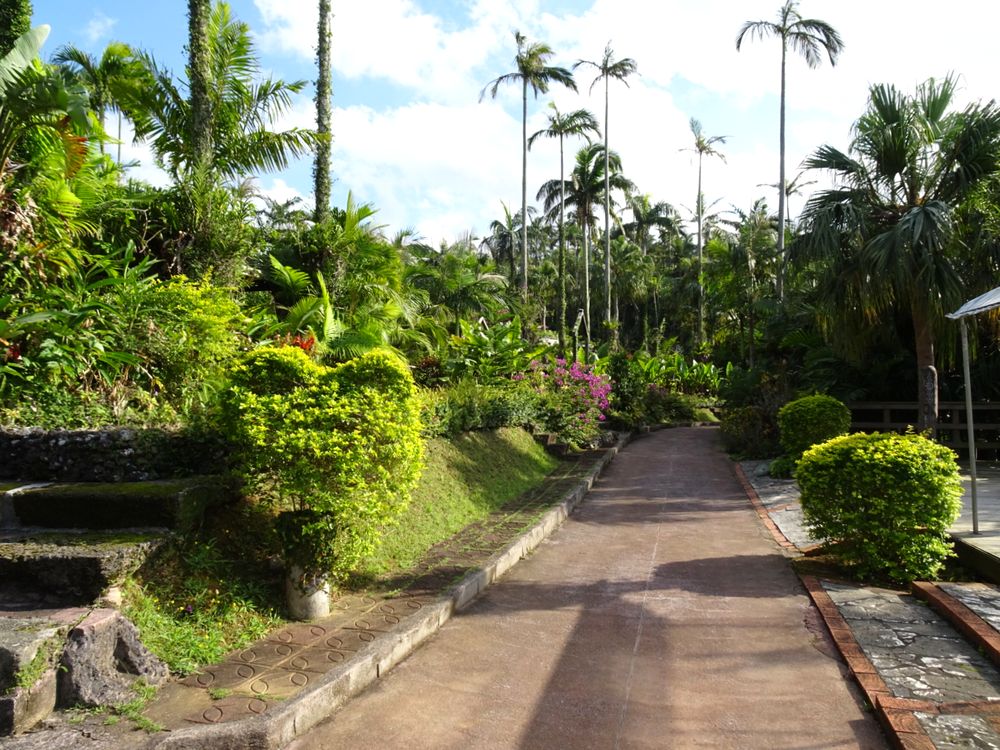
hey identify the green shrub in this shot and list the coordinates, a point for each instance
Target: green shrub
(748, 431)
(886, 499)
(662, 406)
(342, 443)
(811, 420)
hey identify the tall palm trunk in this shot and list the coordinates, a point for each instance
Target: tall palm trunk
(321, 167)
(781, 182)
(200, 75)
(561, 311)
(700, 334)
(607, 215)
(586, 287)
(927, 385)
(524, 191)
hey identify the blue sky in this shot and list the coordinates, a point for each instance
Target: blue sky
(412, 139)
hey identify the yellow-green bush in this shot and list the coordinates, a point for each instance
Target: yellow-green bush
(336, 449)
(811, 420)
(886, 499)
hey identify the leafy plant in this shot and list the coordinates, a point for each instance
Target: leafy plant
(887, 500)
(810, 420)
(340, 442)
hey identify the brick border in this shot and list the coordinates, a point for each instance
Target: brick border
(896, 715)
(973, 628)
(762, 511)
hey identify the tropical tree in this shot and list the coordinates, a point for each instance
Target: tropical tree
(608, 68)
(534, 72)
(115, 77)
(583, 191)
(886, 234)
(241, 108)
(502, 240)
(809, 37)
(456, 283)
(38, 99)
(321, 167)
(647, 216)
(703, 146)
(577, 123)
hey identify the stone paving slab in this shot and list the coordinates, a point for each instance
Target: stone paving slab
(981, 598)
(916, 652)
(950, 732)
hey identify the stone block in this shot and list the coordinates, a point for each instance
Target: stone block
(102, 659)
(22, 708)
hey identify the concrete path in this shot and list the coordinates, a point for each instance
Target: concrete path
(660, 616)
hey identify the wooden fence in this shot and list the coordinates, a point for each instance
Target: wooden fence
(896, 416)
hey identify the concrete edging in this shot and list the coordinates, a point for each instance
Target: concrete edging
(293, 717)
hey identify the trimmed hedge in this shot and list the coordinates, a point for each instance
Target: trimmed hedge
(886, 499)
(811, 420)
(335, 449)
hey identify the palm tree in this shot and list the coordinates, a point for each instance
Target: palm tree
(579, 122)
(531, 71)
(501, 240)
(35, 98)
(321, 167)
(886, 235)
(241, 109)
(703, 146)
(583, 191)
(608, 68)
(108, 79)
(809, 37)
(455, 282)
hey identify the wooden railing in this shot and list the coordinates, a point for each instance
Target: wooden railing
(896, 416)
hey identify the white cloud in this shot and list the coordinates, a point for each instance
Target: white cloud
(98, 27)
(442, 164)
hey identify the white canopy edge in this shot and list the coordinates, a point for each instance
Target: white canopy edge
(980, 304)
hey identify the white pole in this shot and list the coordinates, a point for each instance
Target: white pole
(969, 425)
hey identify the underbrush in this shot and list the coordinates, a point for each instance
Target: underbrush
(194, 604)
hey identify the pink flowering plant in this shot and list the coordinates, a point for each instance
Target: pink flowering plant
(574, 398)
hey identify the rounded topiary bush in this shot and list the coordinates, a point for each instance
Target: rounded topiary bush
(807, 421)
(887, 500)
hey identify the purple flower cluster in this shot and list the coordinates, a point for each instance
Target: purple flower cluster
(581, 394)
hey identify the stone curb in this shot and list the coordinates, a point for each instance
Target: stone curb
(293, 717)
(973, 628)
(895, 714)
(762, 512)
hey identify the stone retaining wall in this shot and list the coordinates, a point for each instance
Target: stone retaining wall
(113, 454)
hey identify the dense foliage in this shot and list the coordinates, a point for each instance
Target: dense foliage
(335, 449)
(809, 420)
(886, 500)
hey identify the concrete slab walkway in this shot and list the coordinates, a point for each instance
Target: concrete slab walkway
(662, 615)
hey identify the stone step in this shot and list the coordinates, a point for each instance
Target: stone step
(174, 503)
(49, 568)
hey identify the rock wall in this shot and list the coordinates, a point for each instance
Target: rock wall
(113, 454)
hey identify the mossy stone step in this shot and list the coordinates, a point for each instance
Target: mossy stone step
(55, 569)
(176, 503)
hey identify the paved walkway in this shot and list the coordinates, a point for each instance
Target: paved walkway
(660, 616)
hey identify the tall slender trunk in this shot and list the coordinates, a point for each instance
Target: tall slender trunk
(586, 287)
(700, 333)
(927, 385)
(200, 75)
(607, 215)
(781, 183)
(524, 191)
(561, 312)
(119, 137)
(321, 167)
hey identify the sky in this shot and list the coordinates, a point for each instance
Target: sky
(413, 139)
